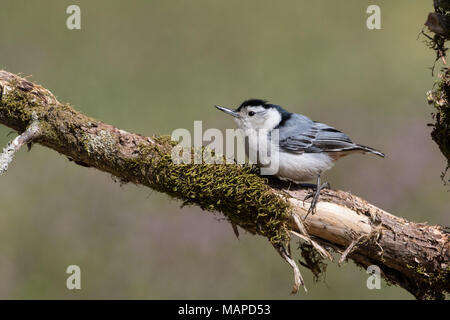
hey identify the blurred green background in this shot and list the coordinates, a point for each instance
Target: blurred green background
(154, 66)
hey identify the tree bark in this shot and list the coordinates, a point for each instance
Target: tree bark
(412, 255)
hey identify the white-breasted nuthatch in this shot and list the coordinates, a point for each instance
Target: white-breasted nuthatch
(305, 148)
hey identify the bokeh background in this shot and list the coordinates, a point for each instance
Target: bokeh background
(154, 66)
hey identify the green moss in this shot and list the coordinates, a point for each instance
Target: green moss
(312, 260)
(241, 195)
(439, 97)
(16, 105)
(433, 285)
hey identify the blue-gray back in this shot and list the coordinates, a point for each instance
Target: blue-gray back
(300, 134)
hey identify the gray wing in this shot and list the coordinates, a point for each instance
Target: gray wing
(304, 135)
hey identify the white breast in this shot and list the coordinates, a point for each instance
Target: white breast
(293, 167)
(302, 167)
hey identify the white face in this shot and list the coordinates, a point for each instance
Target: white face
(257, 117)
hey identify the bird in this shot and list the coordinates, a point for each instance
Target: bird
(305, 148)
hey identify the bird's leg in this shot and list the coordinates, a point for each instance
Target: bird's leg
(290, 182)
(312, 186)
(315, 196)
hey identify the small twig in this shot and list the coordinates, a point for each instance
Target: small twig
(323, 252)
(13, 146)
(304, 236)
(298, 279)
(349, 249)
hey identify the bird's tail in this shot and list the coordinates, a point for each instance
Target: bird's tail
(370, 150)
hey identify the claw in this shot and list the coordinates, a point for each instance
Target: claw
(315, 197)
(309, 195)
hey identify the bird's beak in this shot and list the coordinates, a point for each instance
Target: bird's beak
(229, 111)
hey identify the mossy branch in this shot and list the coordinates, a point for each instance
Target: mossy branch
(438, 22)
(414, 256)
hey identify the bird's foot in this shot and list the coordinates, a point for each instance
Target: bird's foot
(315, 198)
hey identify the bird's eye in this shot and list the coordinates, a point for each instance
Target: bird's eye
(251, 113)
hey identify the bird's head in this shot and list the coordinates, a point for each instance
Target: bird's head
(256, 114)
